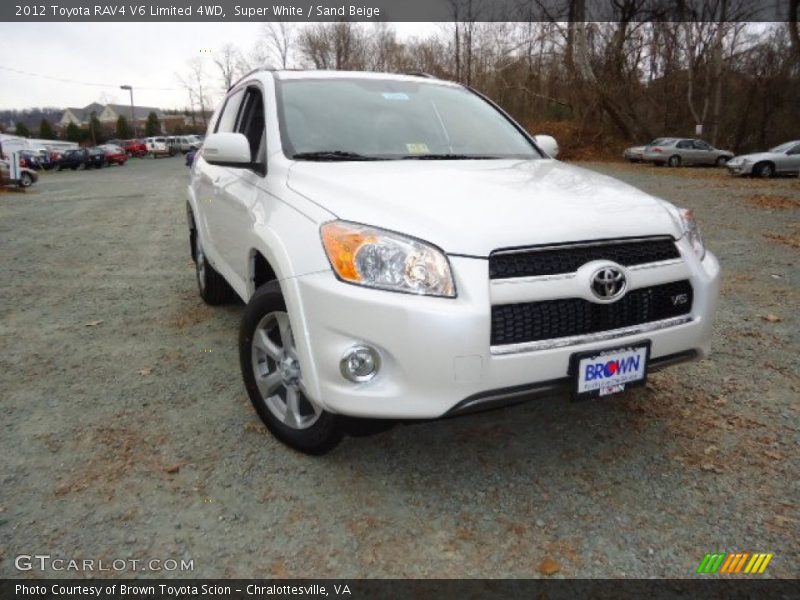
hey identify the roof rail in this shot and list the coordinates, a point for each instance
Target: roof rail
(421, 74)
(254, 71)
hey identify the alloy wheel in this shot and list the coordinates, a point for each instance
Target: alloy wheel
(277, 372)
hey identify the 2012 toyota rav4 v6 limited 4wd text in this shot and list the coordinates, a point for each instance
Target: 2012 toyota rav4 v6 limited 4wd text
(407, 251)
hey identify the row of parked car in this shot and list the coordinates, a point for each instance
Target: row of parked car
(75, 158)
(675, 152)
(115, 152)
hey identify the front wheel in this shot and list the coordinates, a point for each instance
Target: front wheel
(722, 161)
(764, 169)
(25, 180)
(274, 380)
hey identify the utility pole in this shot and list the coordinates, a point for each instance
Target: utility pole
(91, 126)
(133, 119)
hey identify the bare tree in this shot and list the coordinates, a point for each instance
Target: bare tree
(278, 41)
(794, 27)
(341, 45)
(195, 84)
(227, 61)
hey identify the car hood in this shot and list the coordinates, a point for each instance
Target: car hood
(474, 207)
(756, 156)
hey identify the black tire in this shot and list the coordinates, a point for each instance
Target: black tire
(75, 167)
(25, 180)
(722, 161)
(674, 161)
(763, 169)
(326, 432)
(213, 288)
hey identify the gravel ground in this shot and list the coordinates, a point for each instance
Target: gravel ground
(127, 433)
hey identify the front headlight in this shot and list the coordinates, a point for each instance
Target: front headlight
(385, 260)
(692, 231)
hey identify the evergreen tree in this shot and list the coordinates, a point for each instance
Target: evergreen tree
(22, 129)
(123, 130)
(96, 129)
(73, 132)
(152, 126)
(46, 131)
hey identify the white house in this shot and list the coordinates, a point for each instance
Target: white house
(108, 114)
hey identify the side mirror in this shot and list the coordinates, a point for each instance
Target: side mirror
(227, 150)
(547, 143)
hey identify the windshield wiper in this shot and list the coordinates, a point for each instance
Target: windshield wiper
(449, 157)
(332, 155)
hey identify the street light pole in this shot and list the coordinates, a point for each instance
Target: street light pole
(133, 119)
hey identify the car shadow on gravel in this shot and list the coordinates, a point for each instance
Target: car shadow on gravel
(531, 439)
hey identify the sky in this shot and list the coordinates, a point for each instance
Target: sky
(147, 56)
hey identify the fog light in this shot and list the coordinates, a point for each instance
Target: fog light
(360, 363)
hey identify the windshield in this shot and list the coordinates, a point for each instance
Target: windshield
(359, 118)
(783, 147)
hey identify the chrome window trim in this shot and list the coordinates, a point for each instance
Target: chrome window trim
(600, 336)
(572, 274)
(655, 265)
(527, 249)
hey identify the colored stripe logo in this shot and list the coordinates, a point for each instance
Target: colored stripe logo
(735, 563)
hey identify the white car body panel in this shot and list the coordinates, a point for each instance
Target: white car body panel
(435, 352)
(447, 202)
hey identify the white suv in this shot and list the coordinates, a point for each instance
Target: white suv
(407, 251)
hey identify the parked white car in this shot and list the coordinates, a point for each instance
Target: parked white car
(157, 146)
(186, 143)
(407, 251)
(783, 160)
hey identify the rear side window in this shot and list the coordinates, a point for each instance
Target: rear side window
(684, 144)
(227, 119)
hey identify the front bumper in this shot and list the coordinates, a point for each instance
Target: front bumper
(740, 169)
(435, 352)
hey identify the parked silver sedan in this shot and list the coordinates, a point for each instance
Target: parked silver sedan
(783, 159)
(636, 153)
(685, 151)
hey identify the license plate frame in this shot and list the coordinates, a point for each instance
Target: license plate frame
(578, 361)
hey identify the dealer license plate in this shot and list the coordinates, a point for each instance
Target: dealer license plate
(604, 372)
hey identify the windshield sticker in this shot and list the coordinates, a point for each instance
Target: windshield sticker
(417, 148)
(395, 96)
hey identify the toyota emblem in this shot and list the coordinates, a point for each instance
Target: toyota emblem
(609, 284)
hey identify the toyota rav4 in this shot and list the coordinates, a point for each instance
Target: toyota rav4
(407, 251)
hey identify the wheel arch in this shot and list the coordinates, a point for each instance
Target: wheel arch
(767, 161)
(192, 229)
(260, 271)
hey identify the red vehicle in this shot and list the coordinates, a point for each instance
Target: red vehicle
(135, 148)
(114, 154)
